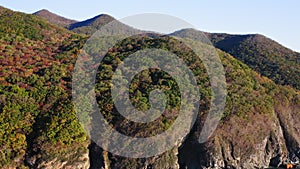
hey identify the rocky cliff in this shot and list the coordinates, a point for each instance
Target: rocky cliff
(259, 137)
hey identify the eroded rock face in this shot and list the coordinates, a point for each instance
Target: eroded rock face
(104, 160)
(81, 163)
(258, 141)
(254, 141)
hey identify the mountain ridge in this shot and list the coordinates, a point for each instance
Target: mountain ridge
(259, 52)
(54, 18)
(99, 20)
(88, 26)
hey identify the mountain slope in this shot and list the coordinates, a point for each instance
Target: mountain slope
(53, 18)
(263, 55)
(255, 134)
(259, 52)
(32, 94)
(255, 131)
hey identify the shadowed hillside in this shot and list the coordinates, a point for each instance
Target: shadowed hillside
(90, 26)
(259, 52)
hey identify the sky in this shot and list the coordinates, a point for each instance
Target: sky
(276, 19)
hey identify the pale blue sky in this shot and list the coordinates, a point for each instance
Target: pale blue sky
(277, 19)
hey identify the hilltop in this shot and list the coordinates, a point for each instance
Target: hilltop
(53, 18)
(88, 26)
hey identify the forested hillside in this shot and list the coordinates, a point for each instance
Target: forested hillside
(37, 116)
(262, 54)
(39, 127)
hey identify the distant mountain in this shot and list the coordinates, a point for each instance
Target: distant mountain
(87, 27)
(54, 18)
(90, 25)
(259, 52)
